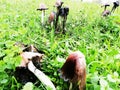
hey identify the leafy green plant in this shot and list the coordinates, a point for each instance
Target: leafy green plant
(86, 30)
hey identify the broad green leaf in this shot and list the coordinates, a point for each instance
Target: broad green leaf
(28, 86)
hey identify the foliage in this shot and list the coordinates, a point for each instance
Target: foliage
(86, 30)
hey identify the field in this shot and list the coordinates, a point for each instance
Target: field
(86, 30)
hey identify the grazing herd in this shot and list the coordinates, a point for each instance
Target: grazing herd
(74, 68)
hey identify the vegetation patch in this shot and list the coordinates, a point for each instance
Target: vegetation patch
(86, 30)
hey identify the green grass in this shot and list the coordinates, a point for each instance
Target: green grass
(97, 37)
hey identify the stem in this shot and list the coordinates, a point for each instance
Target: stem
(56, 21)
(42, 17)
(41, 76)
(92, 63)
(64, 22)
(70, 87)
